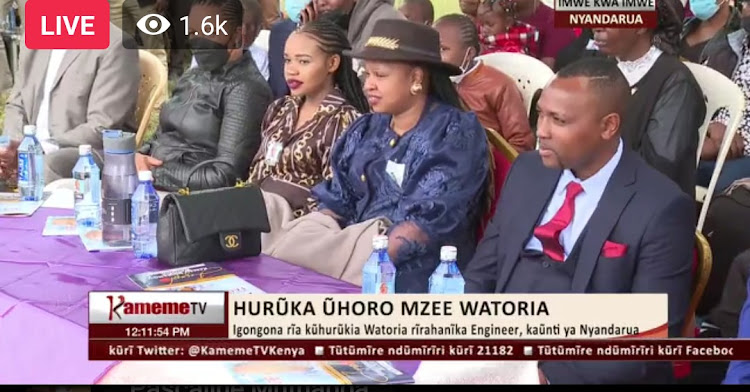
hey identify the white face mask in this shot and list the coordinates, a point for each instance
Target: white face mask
(465, 65)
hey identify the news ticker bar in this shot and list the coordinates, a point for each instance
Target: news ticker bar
(310, 317)
(507, 350)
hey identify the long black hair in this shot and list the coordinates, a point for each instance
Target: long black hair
(332, 40)
(442, 88)
(666, 36)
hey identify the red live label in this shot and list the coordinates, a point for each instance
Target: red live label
(66, 24)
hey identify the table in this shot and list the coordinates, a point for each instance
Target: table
(44, 285)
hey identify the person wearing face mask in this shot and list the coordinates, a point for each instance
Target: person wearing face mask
(215, 111)
(711, 18)
(488, 92)
(729, 55)
(252, 24)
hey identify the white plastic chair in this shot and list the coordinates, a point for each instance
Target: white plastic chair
(719, 92)
(529, 73)
(262, 39)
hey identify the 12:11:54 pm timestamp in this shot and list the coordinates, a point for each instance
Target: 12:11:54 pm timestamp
(157, 332)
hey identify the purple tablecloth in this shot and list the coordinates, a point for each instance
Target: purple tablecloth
(44, 286)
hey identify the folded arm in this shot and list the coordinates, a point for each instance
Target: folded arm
(239, 139)
(447, 195)
(335, 196)
(672, 131)
(663, 266)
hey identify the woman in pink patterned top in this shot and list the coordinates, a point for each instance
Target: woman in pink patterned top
(500, 31)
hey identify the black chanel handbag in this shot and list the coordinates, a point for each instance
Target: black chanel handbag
(211, 225)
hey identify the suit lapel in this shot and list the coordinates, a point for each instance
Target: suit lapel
(68, 59)
(615, 198)
(526, 218)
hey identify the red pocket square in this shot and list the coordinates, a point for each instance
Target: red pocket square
(612, 250)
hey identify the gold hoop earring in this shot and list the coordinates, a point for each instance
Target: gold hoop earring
(415, 88)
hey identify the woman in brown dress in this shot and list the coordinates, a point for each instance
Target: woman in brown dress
(299, 131)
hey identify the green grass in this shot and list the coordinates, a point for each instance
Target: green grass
(3, 99)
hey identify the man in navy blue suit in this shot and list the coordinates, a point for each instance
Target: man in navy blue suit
(584, 214)
(739, 371)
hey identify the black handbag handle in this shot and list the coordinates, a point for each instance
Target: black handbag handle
(200, 165)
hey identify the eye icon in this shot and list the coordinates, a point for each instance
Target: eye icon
(153, 24)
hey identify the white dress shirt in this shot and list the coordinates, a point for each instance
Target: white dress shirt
(42, 119)
(585, 203)
(260, 56)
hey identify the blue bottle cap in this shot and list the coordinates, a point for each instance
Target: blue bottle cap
(118, 142)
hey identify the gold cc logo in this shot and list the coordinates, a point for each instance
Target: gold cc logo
(232, 241)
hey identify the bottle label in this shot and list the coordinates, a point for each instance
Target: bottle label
(24, 168)
(82, 185)
(154, 209)
(146, 212)
(116, 211)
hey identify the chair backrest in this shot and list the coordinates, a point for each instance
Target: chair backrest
(503, 155)
(719, 92)
(530, 74)
(262, 39)
(701, 273)
(502, 145)
(151, 92)
(701, 270)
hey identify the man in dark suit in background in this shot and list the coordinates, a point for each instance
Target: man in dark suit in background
(584, 214)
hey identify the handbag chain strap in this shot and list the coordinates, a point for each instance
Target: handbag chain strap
(185, 190)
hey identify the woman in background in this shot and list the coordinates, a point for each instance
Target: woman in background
(215, 111)
(299, 130)
(667, 106)
(415, 169)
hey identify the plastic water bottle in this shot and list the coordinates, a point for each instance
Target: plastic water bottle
(447, 279)
(145, 203)
(30, 166)
(119, 180)
(379, 272)
(88, 189)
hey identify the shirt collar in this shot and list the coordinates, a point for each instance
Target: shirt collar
(635, 70)
(596, 183)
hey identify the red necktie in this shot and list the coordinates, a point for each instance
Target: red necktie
(549, 233)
